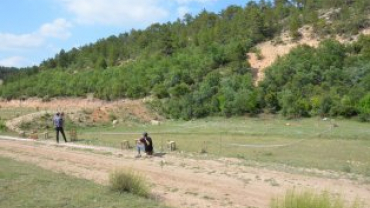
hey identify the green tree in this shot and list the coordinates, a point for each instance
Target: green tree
(364, 104)
(62, 58)
(101, 63)
(294, 25)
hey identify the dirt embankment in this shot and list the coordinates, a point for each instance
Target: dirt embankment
(282, 45)
(181, 181)
(81, 110)
(135, 107)
(271, 50)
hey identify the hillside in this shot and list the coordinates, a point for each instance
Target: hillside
(281, 45)
(81, 112)
(5, 72)
(197, 66)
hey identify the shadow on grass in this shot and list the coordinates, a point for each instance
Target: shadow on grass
(159, 154)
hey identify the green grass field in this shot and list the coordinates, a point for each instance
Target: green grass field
(308, 143)
(334, 144)
(25, 185)
(9, 113)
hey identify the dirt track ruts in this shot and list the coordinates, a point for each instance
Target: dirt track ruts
(180, 181)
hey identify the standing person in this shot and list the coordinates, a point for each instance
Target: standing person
(61, 126)
(58, 124)
(149, 142)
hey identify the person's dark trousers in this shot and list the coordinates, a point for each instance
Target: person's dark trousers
(61, 130)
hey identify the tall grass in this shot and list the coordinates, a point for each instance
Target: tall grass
(310, 199)
(127, 180)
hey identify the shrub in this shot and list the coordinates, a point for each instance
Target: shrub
(112, 117)
(87, 111)
(26, 125)
(258, 53)
(309, 199)
(364, 117)
(127, 180)
(46, 98)
(2, 126)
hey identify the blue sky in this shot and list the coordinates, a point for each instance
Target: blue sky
(34, 30)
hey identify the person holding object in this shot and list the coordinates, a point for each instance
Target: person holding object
(149, 144)
(58, 124)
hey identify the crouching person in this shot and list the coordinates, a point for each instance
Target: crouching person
(149, 144)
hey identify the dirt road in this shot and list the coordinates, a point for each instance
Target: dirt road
(177, 180)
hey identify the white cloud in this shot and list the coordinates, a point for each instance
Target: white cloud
(116, 12)
(13, 42)
(14, 61)
(128, 13)
(56, 29)
(197, 1)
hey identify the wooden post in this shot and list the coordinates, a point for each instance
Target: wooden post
(125, 145)
(171, 145)
(73, 135)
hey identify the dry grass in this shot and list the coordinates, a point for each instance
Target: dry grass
(310, 199)
(127, 180)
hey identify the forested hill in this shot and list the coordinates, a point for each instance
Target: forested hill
(7, 71)
(197, 66)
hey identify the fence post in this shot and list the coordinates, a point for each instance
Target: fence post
(161, 145)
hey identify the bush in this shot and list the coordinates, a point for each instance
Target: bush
(88, 111)
(26, 126)
(258, 53)
(112, 117)
(309, 199)
(2, 126)
(126, 180)
(46, 98)
(364, 117)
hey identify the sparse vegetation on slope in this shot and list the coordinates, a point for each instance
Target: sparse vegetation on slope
(331, 80)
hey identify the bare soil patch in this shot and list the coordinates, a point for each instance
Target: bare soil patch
(181, 181)
(81, 110)
(136, 108)
(283, 44)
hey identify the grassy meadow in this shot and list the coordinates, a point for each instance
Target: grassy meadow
(340, 145)
(26, 185)
(331, 144)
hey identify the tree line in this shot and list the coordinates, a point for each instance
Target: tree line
(7, 71)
